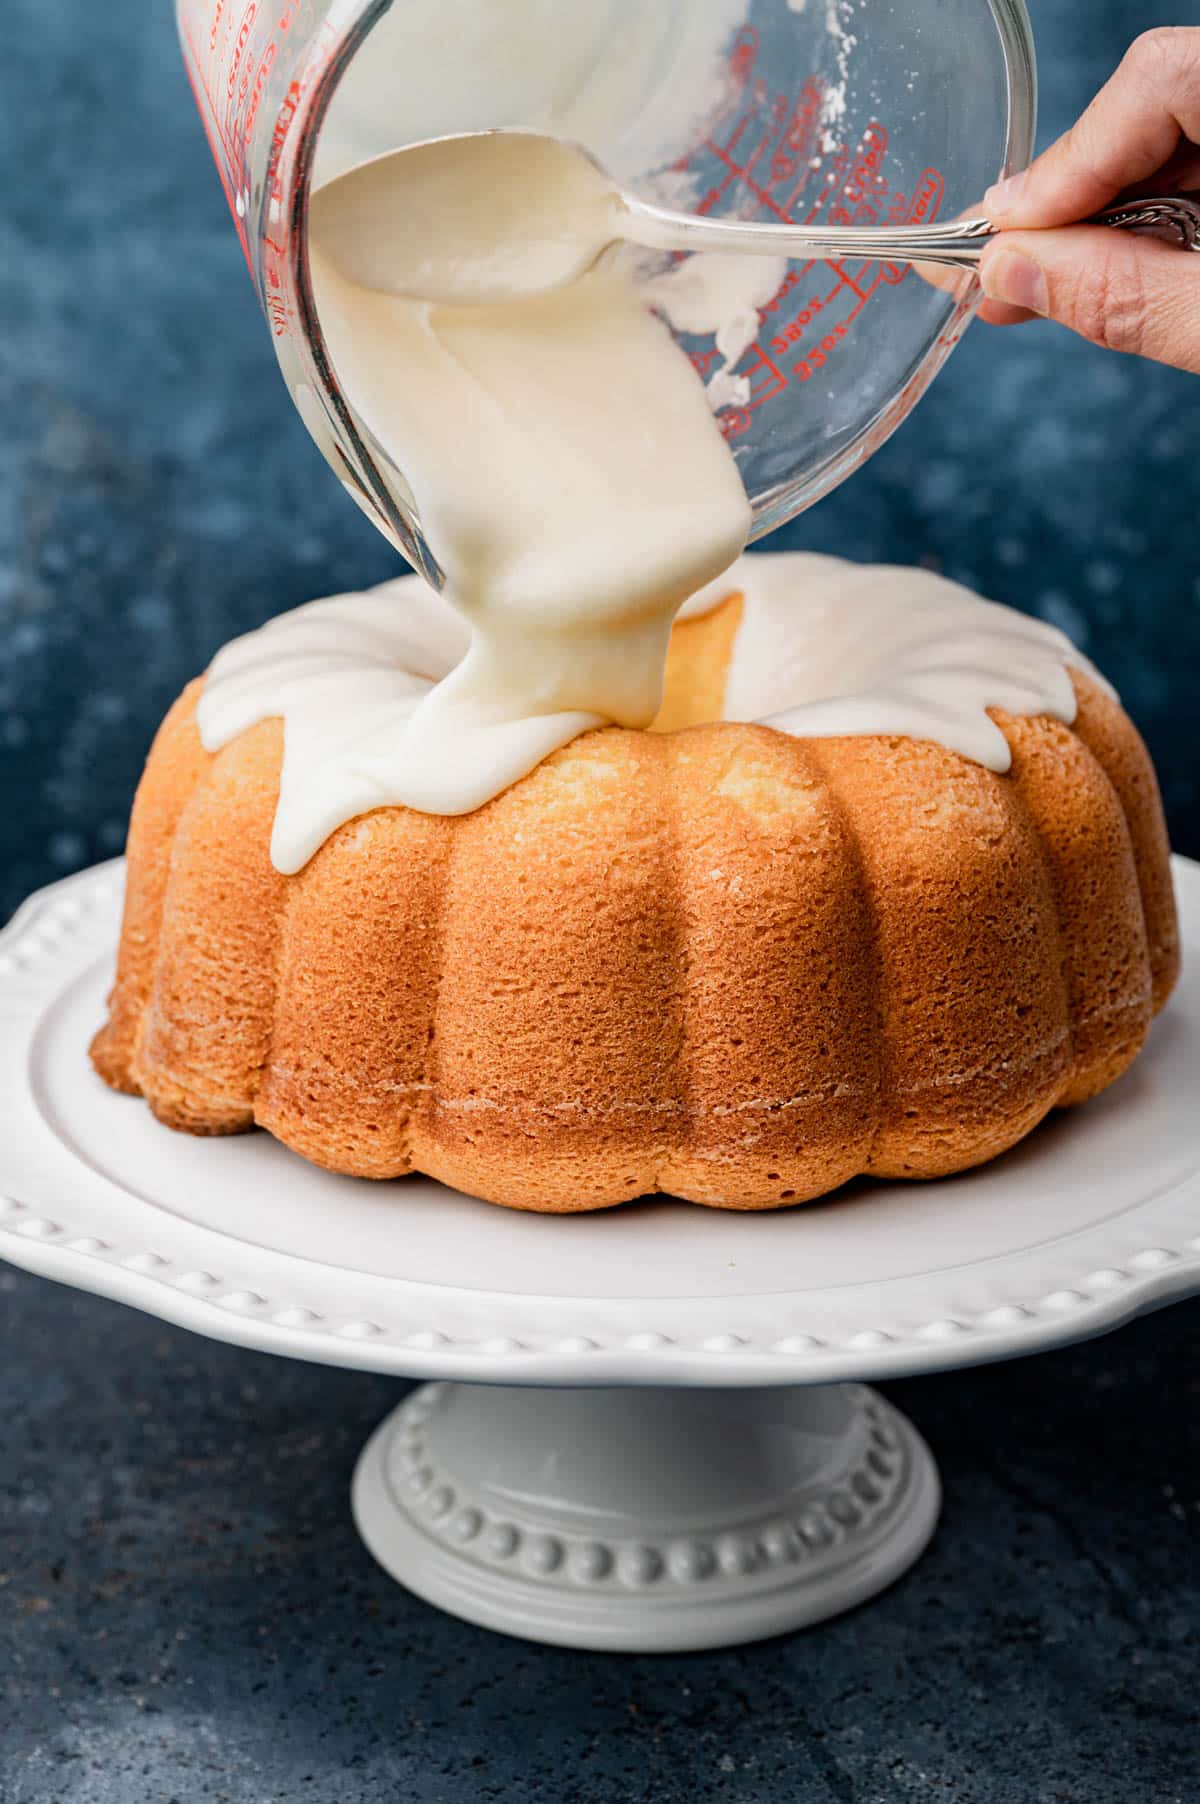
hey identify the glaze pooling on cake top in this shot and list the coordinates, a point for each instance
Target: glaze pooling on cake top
(824, 649)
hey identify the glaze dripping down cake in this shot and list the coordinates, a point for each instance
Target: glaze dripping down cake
(887, 884)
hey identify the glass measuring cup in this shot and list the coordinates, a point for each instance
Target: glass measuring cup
(838, 111)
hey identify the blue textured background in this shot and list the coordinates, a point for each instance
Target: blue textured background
(185, 1613)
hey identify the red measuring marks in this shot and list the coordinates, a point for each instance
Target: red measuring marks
(230, 49)
(777, 151)
(233, 49)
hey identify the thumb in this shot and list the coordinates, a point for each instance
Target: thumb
(1119, 289)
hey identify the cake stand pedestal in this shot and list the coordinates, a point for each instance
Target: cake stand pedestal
(649, 1429)
(646, 1519)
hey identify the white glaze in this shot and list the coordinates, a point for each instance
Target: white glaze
(573, 485)
(828, 648)
(714, 292)
(472, 220)
(555, 443)
(825, 648)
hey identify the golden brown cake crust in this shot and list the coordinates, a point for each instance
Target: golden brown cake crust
(714, 960)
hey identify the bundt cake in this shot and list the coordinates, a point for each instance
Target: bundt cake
(888, 883)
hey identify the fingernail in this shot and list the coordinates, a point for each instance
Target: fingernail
(1011, 276)
(1003, 197)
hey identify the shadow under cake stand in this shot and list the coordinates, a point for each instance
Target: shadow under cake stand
(648, 1429)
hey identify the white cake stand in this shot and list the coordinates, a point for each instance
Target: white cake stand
(735, 1479)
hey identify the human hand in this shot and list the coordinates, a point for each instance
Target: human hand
(1133, 293)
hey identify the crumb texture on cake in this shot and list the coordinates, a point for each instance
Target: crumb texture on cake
(717, 959)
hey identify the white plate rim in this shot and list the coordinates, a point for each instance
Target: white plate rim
(60, 1219)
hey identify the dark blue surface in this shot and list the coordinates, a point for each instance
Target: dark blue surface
(186, 1613)
(184, 1610)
